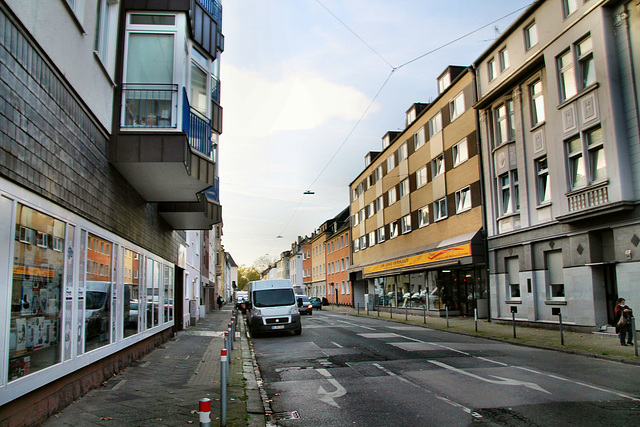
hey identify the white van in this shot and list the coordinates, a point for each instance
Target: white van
(272, 307)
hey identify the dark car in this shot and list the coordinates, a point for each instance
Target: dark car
(316, 303)
(304, 305)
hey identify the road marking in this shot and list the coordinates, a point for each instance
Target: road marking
(356, 325)
(336, 344)
(328, 397)
(503, 381)
(556, 377)
(491, 361)
(444, 399)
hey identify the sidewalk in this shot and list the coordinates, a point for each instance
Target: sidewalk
(605, 345)
(165, 387)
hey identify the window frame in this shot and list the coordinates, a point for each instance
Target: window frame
(529, 31)
(503, 58)
(405, 224)
(392, 192)
(543, 186)
(535, 99)
(460, 156)
(393, 230)
(403, 152)
(509, 122)
(419, 139)
(391, 163)
(380, 235)
(511, 188)
(585, 58)
(437, 166)
(567, 84)
(466, 200)
(492, 69)
(439, 213)
(435, 124)
(569, 7)
(404, 188)
(421, 177)
(421, 216)
(454, 106)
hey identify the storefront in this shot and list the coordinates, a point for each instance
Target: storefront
(450, 279)
(76, 293)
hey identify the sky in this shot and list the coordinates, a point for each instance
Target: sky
(309, 87)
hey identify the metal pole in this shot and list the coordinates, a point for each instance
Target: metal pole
(358, 305)
(446, 310)
(424, 314)
(224, 363)
(390, 312)
(635, 335)
(378, 309)
(229, 329)
(367, 308)
(475, 317)
(406, 312)
(561, 332)
(204, 408)
(513, 316)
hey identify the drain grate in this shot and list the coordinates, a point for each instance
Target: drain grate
(281, 416)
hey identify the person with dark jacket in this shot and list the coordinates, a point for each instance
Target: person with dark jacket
(622, 315)
(220, 302)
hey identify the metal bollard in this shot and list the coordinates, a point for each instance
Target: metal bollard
(446, 309)
(204, 408)
(635, 335)
(475, 317)
(224, 366)
(226, 340)
(358, 305)
(406, 313)
(390, 312)
(424, 314)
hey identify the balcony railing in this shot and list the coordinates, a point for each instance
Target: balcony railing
(149, 105)
(197, 126)
(214, 8)
(589, 198)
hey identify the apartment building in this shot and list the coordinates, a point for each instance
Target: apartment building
(338, 259)
(416, 209)
(318, 286)
(558, 122)
(110, 114)
(307, 267)
(296, 272)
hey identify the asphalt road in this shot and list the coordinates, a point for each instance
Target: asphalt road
(352, 371)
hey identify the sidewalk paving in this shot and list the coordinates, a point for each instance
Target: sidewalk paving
(164, 388)
(605, 345)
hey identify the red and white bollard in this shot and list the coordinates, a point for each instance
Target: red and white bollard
(205, 412)
(224, 366)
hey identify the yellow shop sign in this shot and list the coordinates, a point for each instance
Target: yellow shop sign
(440, 255)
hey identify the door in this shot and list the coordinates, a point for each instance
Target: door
(611, 290)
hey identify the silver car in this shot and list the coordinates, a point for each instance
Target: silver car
(304, 305)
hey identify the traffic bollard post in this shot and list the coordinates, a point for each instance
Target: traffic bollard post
(446, 309)
(224, 365)
(475, 317)
(424, 314)
(204, 409)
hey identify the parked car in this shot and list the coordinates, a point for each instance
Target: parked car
(316, 303)
(304, 305)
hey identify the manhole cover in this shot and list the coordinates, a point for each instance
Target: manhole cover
(281, 416)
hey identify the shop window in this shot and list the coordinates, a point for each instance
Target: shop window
(132, 304)
(97, 309)
(36, 298)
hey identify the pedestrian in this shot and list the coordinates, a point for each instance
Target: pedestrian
(220, 302)
(622, 316)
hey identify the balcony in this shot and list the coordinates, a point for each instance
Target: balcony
(592, 201)
(163, 149)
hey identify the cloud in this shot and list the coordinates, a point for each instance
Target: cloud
(298, 101)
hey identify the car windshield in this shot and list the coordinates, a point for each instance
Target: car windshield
(304, 298)
(314, 299)
(273, 297)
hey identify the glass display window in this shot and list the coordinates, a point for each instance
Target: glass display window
(132, 265)
(36, 292)
(97, 308)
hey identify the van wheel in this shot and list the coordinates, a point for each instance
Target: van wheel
(298, 331)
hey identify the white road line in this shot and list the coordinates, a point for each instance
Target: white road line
(356, 325)
(336, 344)
(444, 399)
(491, 361)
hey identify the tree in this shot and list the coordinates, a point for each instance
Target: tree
(246, 275)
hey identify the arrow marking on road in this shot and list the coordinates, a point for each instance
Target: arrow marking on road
(328, 397)
(503, 381)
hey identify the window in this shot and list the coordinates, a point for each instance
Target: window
(78, 8)
(504, 59)
(354, 221)
(456, 106)
(386, 140)
(404, 188)
(363, 242)
(537, 103)
(597, 163)
(100, 43)
(392, 196)
(570, 6)
(437, 166)
(460, 152)
(554, 273)
(586, 66)
(198, 87)
(463, 199)
(411, 115)
(444, 82)
(356, 245)
(544, 189)
(405, 224)
(509, 193)
(380, 234)
(403, 152)
(512, 266)
(530, 36)
(379, 203)
(566, 76)
(393, 230)
(435, 124)
(421, 177)
(491, 69)
(440, 209)
(347, 261)
(505, 126)
(418, 139)
(372, 238)
(361, 215)
(369, 210)
(579, 176)
(423, 217)
(391, 163)
(377, 174)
